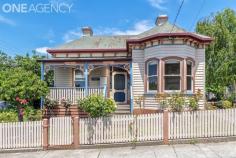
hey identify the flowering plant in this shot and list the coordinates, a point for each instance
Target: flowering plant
(20, 109)
(22, 101)
(66, 103)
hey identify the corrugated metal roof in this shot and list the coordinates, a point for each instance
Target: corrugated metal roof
(118, 42)
(97, 42)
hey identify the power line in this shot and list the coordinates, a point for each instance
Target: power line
(180, 7)
(198, 13)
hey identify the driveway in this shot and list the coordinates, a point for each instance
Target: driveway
(211, 150)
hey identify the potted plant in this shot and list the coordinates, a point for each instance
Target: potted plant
(66, 103)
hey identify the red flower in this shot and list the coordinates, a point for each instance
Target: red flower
(17, 98)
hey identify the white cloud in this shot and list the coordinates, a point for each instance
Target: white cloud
(159, 4)
(7, 21)
(138, 27)
(42, 50)
(72, 35)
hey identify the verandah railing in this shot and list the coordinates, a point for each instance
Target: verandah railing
(73, 93)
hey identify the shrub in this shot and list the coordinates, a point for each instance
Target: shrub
(176, 102)
(162, 99)
(226, 104)
(49, 103)
(8, 116)
(66, 103)
(97, 106)
(31, 114)
(193, 103)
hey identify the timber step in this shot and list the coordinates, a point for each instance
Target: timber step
(122, 109)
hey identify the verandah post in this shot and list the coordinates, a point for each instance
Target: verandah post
(45, 133)
(86, 78)
(131, 87)
(42, 78)
(165, 127)
(76, 131)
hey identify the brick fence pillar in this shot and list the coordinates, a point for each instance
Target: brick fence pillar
(76, 131)
(165, 127)
(45, 133)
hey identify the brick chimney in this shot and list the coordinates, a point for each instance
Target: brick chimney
(87, 31)
(161, 19)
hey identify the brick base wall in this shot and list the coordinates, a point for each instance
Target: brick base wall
(145, 111)
(60, 111)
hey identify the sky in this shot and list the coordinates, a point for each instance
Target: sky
(41, 24)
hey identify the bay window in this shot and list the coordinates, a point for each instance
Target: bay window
(172, 75)
(79, 80)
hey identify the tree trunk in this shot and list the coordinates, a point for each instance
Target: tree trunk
(20, 113)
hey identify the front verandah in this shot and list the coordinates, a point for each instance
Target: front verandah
(76, 81)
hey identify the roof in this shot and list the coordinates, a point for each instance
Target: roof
(97, 42)
(120, 42)
(164, 28)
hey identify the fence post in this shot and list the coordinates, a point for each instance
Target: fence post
(165, 127)
(76, 131)
(45, 133)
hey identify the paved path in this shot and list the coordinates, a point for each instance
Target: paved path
(211, 150)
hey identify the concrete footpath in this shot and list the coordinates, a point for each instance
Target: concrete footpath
(210, 150)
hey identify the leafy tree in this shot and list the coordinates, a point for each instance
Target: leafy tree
(6, 62)
(221, 54)
(20, 87)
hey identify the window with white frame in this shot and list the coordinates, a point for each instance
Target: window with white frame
(79, 80)
(172, 75)
(189, 77)
(152, 75)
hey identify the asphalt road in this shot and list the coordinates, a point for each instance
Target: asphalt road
(210, 150)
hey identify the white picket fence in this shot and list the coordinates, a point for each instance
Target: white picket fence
(202, 124)
(60, 131)
(121, 128)
(21, 135)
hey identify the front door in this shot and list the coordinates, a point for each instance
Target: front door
(119, 86)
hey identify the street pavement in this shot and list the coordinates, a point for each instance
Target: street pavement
(209, 150)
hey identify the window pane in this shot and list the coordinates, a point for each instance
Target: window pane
(152, 83)
(80, 83)
(172, 83)
(152, 69)
(119, 96)
(189, 83)
(172, 68)
(119, 80)
(189, 68)
(78, 74)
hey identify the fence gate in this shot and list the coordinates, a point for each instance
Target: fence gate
(60, 131)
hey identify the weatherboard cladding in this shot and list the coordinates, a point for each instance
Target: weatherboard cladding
(108, 44)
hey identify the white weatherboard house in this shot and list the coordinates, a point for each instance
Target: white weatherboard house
(164, 59)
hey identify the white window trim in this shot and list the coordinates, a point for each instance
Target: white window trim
(152, 91)
(189, 91)
(164, 75)
(77, 80)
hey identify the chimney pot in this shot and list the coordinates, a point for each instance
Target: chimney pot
(161, 19)
(87, 31)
